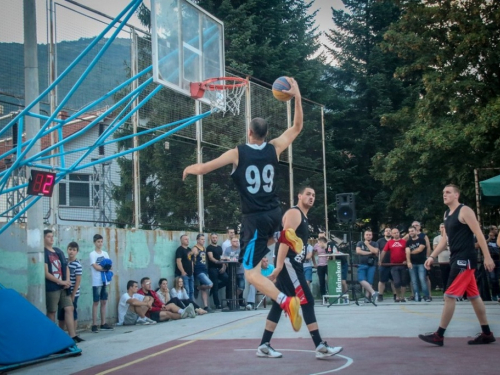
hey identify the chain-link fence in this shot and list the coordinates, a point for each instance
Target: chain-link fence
(104, 194)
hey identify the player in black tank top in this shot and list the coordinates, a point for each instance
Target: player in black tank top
(290, 278)
(460, 227)
(460, 238)
(261, 213)
(255, 177)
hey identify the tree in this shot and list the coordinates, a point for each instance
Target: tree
(365, 91)
(450, 52)
(276, 39)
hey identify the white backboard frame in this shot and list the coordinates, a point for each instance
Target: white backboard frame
(180, 23)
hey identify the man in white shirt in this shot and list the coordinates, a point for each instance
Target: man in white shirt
(133, 307)
(227, 243)
(99, 285)
(443, 257)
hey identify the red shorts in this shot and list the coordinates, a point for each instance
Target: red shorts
(463, 282)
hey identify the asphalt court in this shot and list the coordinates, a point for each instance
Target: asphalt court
(380, 339)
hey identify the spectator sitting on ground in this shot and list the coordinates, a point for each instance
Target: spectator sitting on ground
(133, 307)
(160, 312)
(179, 292)
(164, 294)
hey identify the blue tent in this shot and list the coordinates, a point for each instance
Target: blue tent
(27, 336)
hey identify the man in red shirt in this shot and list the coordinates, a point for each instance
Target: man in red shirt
(160, 312)
(397, 247)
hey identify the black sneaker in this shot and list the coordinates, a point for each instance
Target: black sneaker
(77, 339)
(106, 327)
(481, 339)
(432, 338)
(380, 298)
(94, 329)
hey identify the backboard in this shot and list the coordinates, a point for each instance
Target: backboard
(187, 43)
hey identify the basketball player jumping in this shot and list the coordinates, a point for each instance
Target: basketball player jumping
(255, 165)
(291, 280)
(460, 227)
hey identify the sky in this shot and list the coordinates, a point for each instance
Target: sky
(70, 29)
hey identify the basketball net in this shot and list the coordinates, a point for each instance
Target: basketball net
(224, 93)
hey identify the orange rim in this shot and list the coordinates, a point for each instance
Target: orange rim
(208, 83)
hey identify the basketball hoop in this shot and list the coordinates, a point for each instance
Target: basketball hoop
(223, 93)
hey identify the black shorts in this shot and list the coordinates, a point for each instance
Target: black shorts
(400, 276)
(256, 230)
(291, 279)
(384, 274)
(155, 316)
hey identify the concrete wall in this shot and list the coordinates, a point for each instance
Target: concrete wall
(135, 254)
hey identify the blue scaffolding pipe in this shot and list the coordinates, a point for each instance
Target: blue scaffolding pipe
(133, 4)
(132, 7)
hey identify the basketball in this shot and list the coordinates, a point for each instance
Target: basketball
(278, 86)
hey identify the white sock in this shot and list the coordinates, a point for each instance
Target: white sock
(281, 298)
(181, 311)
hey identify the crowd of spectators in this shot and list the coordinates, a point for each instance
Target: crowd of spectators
(400, 262)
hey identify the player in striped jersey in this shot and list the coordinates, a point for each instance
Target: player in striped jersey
(75, 278)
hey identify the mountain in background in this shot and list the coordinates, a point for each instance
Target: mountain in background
(111, 70)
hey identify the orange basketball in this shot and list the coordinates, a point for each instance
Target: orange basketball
(279, 85)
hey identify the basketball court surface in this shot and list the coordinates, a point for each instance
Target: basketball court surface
(378, 340)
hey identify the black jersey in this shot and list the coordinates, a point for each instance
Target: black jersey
(302, 232)
(254, 177)
(460, 238)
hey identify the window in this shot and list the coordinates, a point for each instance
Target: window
(76, 190)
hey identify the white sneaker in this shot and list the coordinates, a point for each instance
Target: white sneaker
(265, 350)
(142, 321)
(188, 312)
(249, 307)
(324, 351)
(151, 321)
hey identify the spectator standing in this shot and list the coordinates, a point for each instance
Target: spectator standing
(384, 271)
(443, 257)
(233, 252)
(322, 264)
(99, 284)
(75, 278)
(133, 307)
(415, 259)
(397, 249)
(308, 265)
(230, 234)
(57, 283)
(216, 270)
(201, 268)
(491, 241)
(184, 265)
(367, 251)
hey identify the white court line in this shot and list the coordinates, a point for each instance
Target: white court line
(349, 360)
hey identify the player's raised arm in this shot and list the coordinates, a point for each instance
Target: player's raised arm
(284, 140)
(229, 157)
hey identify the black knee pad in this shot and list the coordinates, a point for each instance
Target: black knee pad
(275, 313)
(308, 313)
